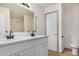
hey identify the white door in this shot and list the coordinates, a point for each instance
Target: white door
(2, 25)
(51, 21)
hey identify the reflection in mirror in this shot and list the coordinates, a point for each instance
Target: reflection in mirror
(21, 18)
(22, 24)
(17, 24)
(28, 23)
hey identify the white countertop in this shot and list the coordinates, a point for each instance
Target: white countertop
(5, 42)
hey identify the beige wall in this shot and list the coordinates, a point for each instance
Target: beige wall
(17, 25)
(28, 23)
(6, 11)
(24, 24)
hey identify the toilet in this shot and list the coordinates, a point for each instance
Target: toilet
(75, 44)
(74, 49)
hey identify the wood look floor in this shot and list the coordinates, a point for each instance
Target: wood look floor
(67, 52)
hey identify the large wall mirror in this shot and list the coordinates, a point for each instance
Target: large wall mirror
(22, 19)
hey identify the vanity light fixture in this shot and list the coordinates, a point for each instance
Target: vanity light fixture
(25, 4)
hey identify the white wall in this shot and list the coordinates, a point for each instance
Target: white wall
(67, 24)
(40, 21)
(52, 8)
(70, 24)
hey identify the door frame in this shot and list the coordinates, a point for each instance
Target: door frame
(57, 27)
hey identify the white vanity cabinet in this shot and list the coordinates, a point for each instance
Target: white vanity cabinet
(27, 52)
(40, 47)
(15, 48)
(33, 47)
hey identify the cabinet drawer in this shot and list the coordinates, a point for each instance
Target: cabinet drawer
(40, 50)
(46, 51)
(38, 41)
(8, 50)
(27, 52)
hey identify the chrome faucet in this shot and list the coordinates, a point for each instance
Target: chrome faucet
(10, 36)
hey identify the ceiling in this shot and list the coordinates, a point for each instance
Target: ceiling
(45, 4)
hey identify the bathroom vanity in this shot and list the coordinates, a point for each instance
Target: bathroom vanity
(18, 18)
(24, 46)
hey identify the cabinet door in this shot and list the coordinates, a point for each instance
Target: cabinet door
(45, 46)
(40, 47)
(26, 52)
(45, 42)
(39, 50)
(45, 51)
(12, 49)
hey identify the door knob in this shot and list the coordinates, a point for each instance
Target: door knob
(62, 36)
